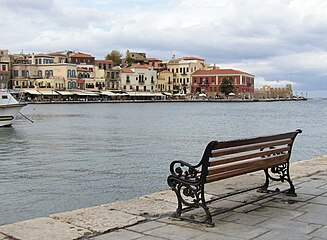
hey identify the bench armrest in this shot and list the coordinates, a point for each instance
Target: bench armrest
(185, 172)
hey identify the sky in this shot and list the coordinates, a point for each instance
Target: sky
(279, 41)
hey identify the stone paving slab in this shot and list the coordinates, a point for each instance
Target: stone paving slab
(314, 218)
(146, 207)
(282, 234)
(321, 233)
(236, 229)
(98, 219)
(174, 232)
(295, 226)
(45, 229)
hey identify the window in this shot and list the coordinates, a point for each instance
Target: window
(23, 73)
(176, 70)
(73, 73)
(152, 79)
(194, 80)
(39, 73)
(46, 73)
(207, 80)
(127, 79)
(69, 73)
(15, 73)
(4, 97)
(201, 81)
(50, 73)
(213, 80)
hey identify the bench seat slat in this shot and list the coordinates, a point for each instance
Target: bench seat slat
(251, 163)
(215, 162)
(233, 150)
(240, 142)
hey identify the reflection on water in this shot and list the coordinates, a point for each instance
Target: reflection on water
(79, 155)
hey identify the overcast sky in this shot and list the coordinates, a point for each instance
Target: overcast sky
(280, 41)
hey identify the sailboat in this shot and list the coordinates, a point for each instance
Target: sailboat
(9, 108)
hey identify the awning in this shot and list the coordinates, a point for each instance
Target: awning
(84, 93)
(167, 93)
(108, 93)
(31, 91)
(65, 93)
(48, 92)
(144, 94)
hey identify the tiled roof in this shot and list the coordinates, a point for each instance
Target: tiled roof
(193, 58)
(166, 71)
(219, 71)
(57, 54)
(126, 70)
(140, 66)
(103, 61)
(153, 59)
(43, 55)
(83, 70)
(84, 55)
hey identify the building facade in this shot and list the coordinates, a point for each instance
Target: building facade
(4, 69)
(208, 82)
(182, 69)
(138, 78)
(165, 81)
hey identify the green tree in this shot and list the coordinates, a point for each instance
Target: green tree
(115, 56)
(227, 86)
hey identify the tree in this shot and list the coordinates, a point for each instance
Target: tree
(227, 86)
(115, 56)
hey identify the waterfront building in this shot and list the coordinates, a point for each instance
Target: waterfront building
(165, 81)
(4, 69)
(208, 82)
(268, 92)
(85, 64)
(157, 64)
(182, 69)
(59, 57)
(102, 67)
(138, 78)
(112, 81)
(41, 72)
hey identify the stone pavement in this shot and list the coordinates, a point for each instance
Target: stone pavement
(147, 217)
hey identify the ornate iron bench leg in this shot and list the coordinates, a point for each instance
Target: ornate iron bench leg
(264, 188)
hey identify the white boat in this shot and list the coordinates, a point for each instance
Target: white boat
(9, 108)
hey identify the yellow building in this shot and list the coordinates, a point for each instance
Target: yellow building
(268, 92)
(42, 72)
(165, 81)
(182, 69)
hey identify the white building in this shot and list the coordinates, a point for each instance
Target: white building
(138, 78)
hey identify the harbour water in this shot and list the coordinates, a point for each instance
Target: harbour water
(81, 155)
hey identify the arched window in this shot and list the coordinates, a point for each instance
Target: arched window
(73, 73)
(47, 73)
(69, 85)
(127, 79)
(69, 73)
(27, 73)
(39, 73)
(50, 73)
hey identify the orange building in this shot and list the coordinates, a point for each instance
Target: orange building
(208, 82)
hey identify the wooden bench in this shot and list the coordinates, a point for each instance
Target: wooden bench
(227, 159)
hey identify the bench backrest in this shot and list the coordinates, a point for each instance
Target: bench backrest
(231, 158)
